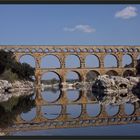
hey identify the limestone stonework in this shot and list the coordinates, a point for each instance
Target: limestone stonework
(61, 52)
(40, 122)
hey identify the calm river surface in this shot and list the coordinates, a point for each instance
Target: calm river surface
(71, 112)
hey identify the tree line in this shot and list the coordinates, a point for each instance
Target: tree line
(12, 70)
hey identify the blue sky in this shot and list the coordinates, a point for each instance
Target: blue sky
(70, 24)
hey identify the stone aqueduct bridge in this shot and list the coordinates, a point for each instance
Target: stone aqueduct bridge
(61, 52)
(83, 120)
(64, 120)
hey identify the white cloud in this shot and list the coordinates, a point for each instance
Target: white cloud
(127, 13)
(80, 28)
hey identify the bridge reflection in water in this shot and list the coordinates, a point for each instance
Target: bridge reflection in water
(83, 110)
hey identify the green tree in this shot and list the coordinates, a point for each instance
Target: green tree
(9, 76)
(6, 60)
(14, 69)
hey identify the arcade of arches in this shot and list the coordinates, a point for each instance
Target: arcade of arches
(64, 59)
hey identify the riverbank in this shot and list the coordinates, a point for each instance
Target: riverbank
(116, 89)
(15, 89)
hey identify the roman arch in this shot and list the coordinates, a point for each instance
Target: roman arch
(42, 122)
(81, 52)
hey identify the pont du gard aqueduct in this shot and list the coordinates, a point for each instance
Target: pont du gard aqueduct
(81, 52)
(63, 120)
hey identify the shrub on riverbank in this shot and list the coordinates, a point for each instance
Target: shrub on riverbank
(12, 70)
(9, 76)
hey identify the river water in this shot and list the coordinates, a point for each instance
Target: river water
(70, 112)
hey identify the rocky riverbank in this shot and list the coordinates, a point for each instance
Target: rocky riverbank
(16, 89)
(78, 85)
(116, 90)
(111, 84)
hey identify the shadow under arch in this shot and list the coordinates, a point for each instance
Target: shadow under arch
(72, 61)
(92, 75)
(112, 73)
(51, 61)
(136, 106)
(125, 60)
(93, 57)
(138, 66)
(128, 73)
(136, 90)
(90, 95)
(111, 60)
